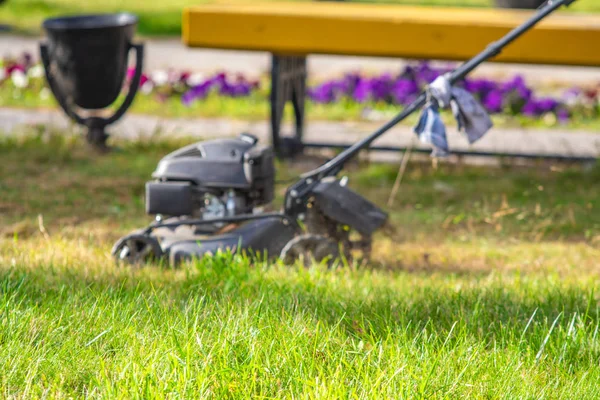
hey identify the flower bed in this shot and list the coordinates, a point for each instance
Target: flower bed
(512, 97)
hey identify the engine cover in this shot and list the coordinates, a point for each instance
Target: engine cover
(221, 163)
(237, 170)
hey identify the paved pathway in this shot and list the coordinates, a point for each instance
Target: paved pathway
(171, 53)
(568, 143)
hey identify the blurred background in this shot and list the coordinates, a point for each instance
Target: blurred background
(164, 17)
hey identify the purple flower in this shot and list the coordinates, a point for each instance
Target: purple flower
(237, 87)
(571, 96)
(322, 93)
(546, 105)
(514, 83)
(349, 83)
(405, 91)
(494, 101)
(333, 90)
(530, 108)
(381, 87)
(219, 79)
(563, 115)
(425, 73)
(524, 93)
(197, 92)
(480, 87)
(362, 91)
(535, 107)
(226, 89)
(572, 92)
(517, 86)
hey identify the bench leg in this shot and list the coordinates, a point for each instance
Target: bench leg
(288, 83)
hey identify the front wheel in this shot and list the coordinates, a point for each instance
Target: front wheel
(136, 249)
(309, 249)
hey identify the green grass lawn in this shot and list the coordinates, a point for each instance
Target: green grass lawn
(164, 17)
(488, 290)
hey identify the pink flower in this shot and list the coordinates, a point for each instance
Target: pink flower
(15, 67)
(130, 73)
(591, 94)
(184, 76)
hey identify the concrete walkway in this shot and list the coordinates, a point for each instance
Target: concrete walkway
(566, 143)
(171, 53)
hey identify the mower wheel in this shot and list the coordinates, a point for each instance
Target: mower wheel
(136, 249)
(309, 249)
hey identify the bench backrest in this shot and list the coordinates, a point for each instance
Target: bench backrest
(391, 31)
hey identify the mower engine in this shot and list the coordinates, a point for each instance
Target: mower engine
(212, 179)
(207, 197)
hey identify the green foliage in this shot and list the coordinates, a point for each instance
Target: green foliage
(164, 17)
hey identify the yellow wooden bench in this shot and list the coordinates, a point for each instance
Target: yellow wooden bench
(291, 31)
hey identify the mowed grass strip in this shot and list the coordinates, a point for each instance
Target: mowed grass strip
(463, 301)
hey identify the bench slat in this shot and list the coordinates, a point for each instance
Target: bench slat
(391, 31)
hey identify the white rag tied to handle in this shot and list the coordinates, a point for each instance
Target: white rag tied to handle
(473, 120)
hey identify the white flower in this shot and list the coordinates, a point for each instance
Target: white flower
(44, 94)
(160, 77)
(36, 71)
(2, 73)
(571, 100)
(147, 87)
(19, 79)
(195, 79)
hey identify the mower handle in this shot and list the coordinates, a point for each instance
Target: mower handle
(461, 72)
(296, 195)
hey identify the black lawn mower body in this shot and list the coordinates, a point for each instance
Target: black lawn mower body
(210, 196)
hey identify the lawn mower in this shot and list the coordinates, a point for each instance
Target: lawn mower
(215, 195)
